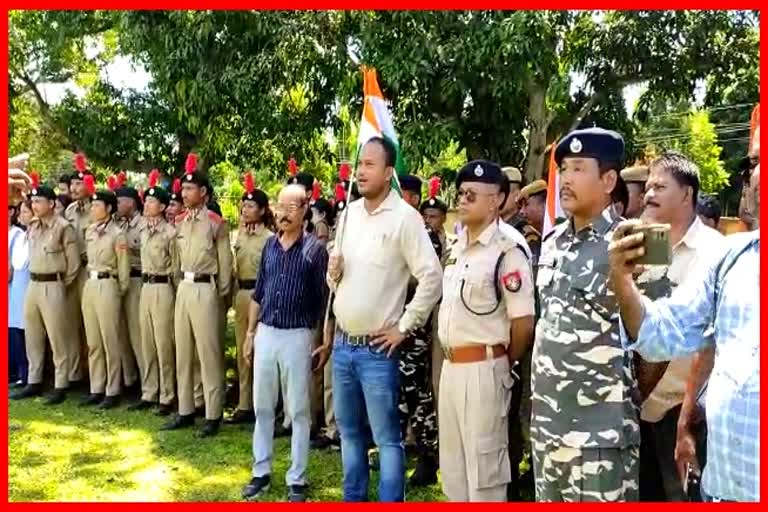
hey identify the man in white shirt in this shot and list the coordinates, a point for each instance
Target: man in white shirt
(667, 414)
(369, 270)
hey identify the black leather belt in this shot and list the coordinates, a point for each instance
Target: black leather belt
(154, 278)
(199, 278)
(100, 275)
(83, 261)
(135, 272)
(46, 278)
(362, 340)
(247, 284)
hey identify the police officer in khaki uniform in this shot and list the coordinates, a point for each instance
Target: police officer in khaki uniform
(54, 262)
(78, 214)
(206, 267)
(251, 238)
(584, 424)
(532, 200)
(175, 203)
(510, 212)
(129, 219)
(160, 267)
(485, 321)
(635, 178)
(109, 268)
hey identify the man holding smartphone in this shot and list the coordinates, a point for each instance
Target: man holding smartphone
(584, 427)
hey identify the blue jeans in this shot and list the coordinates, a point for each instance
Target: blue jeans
(364, 380)
(17, 356)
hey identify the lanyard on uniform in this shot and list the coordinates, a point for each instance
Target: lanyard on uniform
(496, 289)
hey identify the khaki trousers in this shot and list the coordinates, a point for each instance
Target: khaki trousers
(244, 371)
(157, 346)
(77, 344)
(474, 408)
(45, 312)
(130, 334)
(101, 313)
(197, 327)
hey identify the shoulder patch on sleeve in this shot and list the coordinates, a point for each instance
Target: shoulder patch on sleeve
(215, 217)
(512, 281)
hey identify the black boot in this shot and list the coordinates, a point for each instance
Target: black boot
(425, 472)
(241, 416)
(110, 402)
(28, 391)
(140, 405)
(79, 386)
(92, 399)
(164, 410)
(58, 396)
(210, 428)
(187, 420)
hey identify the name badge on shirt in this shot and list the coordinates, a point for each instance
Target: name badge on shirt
(189, 277)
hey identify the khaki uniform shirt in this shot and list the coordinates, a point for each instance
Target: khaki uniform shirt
(108, 252)
(583, 386)
(159, 252)
(202, 239)
(470, 312)
(381, 251)
(133, 226)
(79, 215)
(249, 247)
(53, 248)
(687, 256)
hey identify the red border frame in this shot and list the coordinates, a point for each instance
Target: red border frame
(337, 4)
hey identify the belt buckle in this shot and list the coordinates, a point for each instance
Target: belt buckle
(93, 274)
(189, 277)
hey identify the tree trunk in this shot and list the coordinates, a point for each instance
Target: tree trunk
(539, 120)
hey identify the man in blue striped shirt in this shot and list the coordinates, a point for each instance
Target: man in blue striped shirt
(726, 295)
(288, 304)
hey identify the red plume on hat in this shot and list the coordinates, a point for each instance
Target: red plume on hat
(112, 183)
(122, 179)
(191, 165)
(341, 193)
(90, 184)
(154, 177)
(248, 183)
(434, 187)
(344, 172)
(80, 162)
(315, 190)
(292, 167)
(35, 179)
(176, 187)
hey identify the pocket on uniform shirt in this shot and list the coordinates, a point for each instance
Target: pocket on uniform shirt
(593, 289)
(493, 467)
(52, 250)
(480, 292)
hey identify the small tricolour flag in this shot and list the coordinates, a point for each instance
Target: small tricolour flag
(377, 122)
(554, 212)
(754, 128)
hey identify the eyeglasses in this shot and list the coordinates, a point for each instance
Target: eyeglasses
(288, 208)
(470, 195)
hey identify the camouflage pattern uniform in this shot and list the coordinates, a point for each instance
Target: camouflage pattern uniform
(584, 425)
(416, 400)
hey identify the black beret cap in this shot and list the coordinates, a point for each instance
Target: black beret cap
(158, 193)
(44, 191)
(602, 145)
(410, 183)
(433, 203)
(304, 179)
(480, 171)
(107, 197)
(198, 178)
(128, 192)
(258, 196)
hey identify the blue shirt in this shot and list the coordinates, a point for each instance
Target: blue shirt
(18, 255)
(291, 287)
(677, 326)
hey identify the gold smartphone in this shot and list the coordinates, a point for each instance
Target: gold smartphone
(658, 250)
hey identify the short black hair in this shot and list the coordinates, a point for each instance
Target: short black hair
(390, 153)
(708, 206)
(682, 169)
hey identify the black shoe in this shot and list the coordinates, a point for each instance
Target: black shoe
(187, 420)
(28, 391)
(17, 384)
(140, 405)
(132, 391)
(210, 428)
(110, 402)
(79, 386)
(200, 412)
(240, 417)
(281, 431)
(321, 443)
(256, 487)
(58, 396)
(92, 399)
(425, 472)
(297, 493)
(164, 410)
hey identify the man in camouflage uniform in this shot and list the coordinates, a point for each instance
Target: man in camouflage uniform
(416, 401)
(584, 425)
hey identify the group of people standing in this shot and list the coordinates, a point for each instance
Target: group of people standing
(483, 345)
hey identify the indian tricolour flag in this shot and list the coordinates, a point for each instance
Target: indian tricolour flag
(554, 211)
(377, 122)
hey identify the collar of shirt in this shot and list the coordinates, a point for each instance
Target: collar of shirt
(692, 236)
(82, 204)
(390, 203)
(101, 227)
(153, 222)
(253, 229)
(600, 224)
(485, 237)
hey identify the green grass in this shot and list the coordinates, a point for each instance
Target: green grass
(68, 453)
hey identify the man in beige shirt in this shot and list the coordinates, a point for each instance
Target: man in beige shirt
(670, 198)
(369, 271)
(485, 322)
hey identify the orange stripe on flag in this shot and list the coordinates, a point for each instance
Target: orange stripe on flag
(754, 123)
(552, 192)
